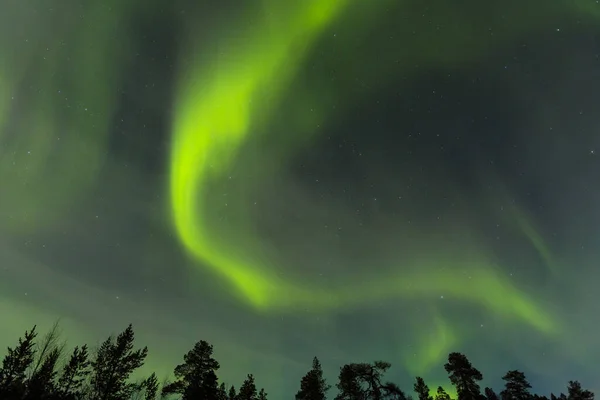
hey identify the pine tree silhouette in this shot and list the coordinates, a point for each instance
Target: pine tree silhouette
(115, 361)
(74, 374)
(441, 394)
(15, 366)
(490, 394)
(262, 395)
(42, 385)
(516, 386)
(313, 385)
(463, 376)
(196, 376)
(364, 381)
(575, 392)
(150, 386)
(349, 385)
(248, 389)
(421, 389)
(232, 395)
(223, 392)
(391, 391)
(31, 371)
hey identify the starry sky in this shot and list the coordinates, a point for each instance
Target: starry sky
(393, 179)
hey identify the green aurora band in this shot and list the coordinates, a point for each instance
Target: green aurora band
(220, 103)
(218, 106)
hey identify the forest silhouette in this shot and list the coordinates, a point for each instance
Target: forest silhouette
(43, 370)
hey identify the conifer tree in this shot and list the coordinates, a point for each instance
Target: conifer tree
(114, 363)
(349, 386)
(74, 374)
(232, 395)
(262, 395)
(15, 366)
(391, 391)
(150, 386)
(490, 394)
(196, 375)
(421, 389)
(222, 392)
(42, 384)
(516, 386)
(364, 381)
(49, 343)
(313, 385)
(441, 394)
(463, 376)
(248, 389)
(576, 392)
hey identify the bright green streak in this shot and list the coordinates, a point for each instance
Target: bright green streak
(214, 115)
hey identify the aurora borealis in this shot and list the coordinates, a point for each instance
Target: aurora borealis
(354, 180)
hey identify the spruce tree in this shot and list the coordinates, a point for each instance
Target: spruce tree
(490, 394)
(114, 363)
(42, 384)
(313, 385)
(421, 389)
(262, 395)
(248, 389)
(463, 376)
(150, 386)
(222, 392)
(516, 386)
(576, 392)
(15, 365)
(74, 374)
(441, 394)
(232, 395)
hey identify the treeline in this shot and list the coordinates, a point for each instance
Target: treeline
(43, 370)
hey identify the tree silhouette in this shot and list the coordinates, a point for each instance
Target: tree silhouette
(74, 374)
(490, 394)
(561, 396)
(41, 385)
(36, 371)
(391, 391)
(248, 389)
(196, 376)
(349, 386)
(516, 386)
(15, 365)
(363, 381)
(441, 394)
(313, 385)
(421, 389)
(115, 361)
(463, 376)
(49, 343)
(222, 395)
(150, 387)
(262, 395)
(575, 392)
(232, 395)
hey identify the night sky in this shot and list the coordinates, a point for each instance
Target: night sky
(355, 180)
